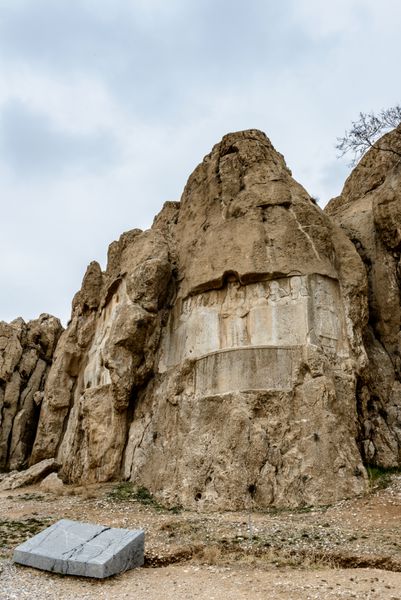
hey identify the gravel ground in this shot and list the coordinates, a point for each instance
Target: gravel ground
(348, 550)
(187, 582)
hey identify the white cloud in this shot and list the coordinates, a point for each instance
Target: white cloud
(321, 19)
(163, 81)
(76, 104)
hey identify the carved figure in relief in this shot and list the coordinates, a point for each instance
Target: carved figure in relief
(297, 287)
(235, 300)
(259, 317)
(277, 293)
(234, 309)
(185, 310)
(257, 294)
(328, 324)
(197, 332)
(210, 298)
(96, 373)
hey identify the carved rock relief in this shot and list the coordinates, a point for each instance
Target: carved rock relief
(282, 313)
(96, 374)
(328, 319)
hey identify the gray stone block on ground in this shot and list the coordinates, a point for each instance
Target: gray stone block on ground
(74, 548)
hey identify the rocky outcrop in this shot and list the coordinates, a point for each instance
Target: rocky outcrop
(254, 397)
(369, 212)
(105, 355)
(26, 351)
(216, 359)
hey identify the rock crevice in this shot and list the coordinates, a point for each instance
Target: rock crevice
(26, 351)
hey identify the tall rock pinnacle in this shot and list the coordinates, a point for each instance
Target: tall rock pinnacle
(215, 361)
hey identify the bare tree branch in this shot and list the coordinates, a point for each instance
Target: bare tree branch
(365, 132)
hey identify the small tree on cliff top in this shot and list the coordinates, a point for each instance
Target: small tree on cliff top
(367, 130)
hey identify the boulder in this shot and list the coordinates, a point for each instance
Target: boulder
(53, 484)
(83, 549)
(34, 474)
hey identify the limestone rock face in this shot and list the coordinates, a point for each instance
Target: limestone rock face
(253, 400)
(105, 355)
(369, 211)
(26, 351)
(215, 361)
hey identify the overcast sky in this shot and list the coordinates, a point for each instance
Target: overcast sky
(107, 106)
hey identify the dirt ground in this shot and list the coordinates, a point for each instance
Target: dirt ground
(351, 549)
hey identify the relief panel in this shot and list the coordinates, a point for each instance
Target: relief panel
(286, 312)
(268, 313)
(327, 315)
(246, 369)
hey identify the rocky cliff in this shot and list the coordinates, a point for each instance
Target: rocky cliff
(242, 352)
(216, 359)
(369, 212)
(26, 351)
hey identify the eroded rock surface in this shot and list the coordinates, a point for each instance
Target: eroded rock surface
(26, 351)
(255, 391)
(369, 211)
(215, 361)
(105, 355)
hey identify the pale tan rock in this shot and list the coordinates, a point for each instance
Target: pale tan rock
(88, 297)
(18, 479)
(241, 212)
(369, 211)
(215, 360)
(255, 396)
(10, 348)
(26, 351)
(52, 483)
(107, 352)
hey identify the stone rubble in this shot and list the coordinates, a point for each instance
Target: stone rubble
(17, 479)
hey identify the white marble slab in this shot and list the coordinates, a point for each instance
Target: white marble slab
(83, 549)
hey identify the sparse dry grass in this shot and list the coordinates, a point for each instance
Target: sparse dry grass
(211, 555)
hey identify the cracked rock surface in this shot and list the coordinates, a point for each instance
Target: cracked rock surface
(215, 360)
(26, 351)
(369, 212)
(84, 549)
(243, 351)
